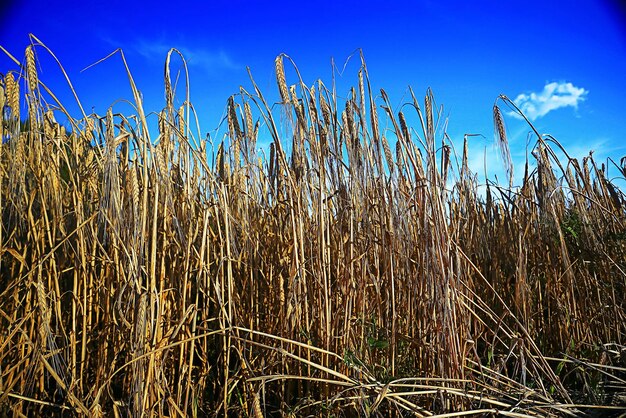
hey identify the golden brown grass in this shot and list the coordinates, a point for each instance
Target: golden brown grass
(155, 277)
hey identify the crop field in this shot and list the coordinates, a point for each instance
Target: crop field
(355, 266)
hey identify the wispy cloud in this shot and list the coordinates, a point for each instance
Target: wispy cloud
(197, 57)
(156, 50)
(554, 96)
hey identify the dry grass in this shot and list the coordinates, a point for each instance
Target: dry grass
(153, 276)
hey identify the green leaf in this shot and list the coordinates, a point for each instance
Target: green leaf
(375, 343)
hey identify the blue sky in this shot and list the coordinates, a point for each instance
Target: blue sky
(563, 62)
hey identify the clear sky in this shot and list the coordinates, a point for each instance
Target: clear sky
(563, 62)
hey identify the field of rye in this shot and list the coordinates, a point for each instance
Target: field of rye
(346, 270)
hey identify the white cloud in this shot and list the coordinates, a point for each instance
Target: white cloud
(554, 96)
(199, 57)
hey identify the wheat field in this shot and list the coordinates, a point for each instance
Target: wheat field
(344, 270)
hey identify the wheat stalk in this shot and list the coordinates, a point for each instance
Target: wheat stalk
(13, 95)
(31, 70)
(281, 80)
(502, 142)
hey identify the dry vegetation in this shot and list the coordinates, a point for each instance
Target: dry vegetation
(164, 277)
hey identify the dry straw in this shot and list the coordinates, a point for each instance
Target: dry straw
(332, 277)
